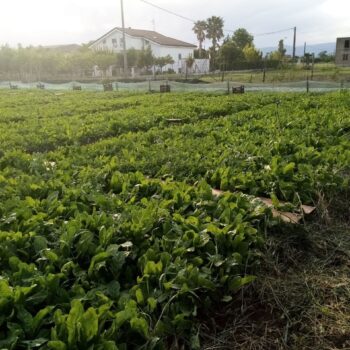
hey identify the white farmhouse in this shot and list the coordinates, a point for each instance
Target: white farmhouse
(140, 39)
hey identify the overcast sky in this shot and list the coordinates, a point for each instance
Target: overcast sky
(51, 22)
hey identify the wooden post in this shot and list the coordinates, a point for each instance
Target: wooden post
(307, 84)
(264, 75)
(228, 87)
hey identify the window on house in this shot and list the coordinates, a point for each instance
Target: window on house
(104, 41)
(345, 57)
(121, 42)
(347, 44)
(180, 56)
(115, 42)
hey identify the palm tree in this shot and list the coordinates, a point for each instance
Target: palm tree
(215, 30)
(199, 29)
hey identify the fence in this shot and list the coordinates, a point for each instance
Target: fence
(220, 87)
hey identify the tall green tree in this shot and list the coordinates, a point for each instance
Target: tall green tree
(251, 54)
(145, 58)
(229, 52)
(242, 38)
(279, 54)
(215, 30)
(281, 49)
(199, 29)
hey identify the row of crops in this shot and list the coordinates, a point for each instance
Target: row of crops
(110, 237)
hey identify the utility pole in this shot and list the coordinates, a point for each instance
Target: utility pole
(124, 40)
(294, 42)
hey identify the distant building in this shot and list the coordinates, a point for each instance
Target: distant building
(342, 53)
(140, 39)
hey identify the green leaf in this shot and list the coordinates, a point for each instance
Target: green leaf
(153, 268)
(113, 289)
(37, 320)
(139, 296)
(25, 317)
(288, 169)
(140, 325)
(275, 200)
(195, 343)
(73, 319)
(57, 345)
(89, 324)
(5, 289)
(50, 255)
(39, 244)
(122, 316)
(152, 303)
(117, 182)
(97, 259)
(31, 344)
(109, 345)
(239, 282)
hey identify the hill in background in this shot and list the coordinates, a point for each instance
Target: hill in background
(315, 48)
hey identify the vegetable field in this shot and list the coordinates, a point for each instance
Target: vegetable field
(110, 236)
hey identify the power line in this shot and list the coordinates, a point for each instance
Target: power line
(176, 14)
(194, 21)
(276, 32)
(168, 11)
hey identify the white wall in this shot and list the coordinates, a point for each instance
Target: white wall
(116, 45)
(114, 42)
(178, 54)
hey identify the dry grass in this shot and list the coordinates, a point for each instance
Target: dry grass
(301, 299)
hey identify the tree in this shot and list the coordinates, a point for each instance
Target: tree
(190, 62)
(204, 53)
(145, 58)
(242, 38)
(104, 59)
(132, 57)
(279, 54)
(215, 30)
(251, 54)
(325, 57)
(282, 51)
(199, 29)
(229, 53)
(215, 33)
(163, 61)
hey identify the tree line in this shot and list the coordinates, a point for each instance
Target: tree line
(36, 63)
(238, 51)
(231, 52)
(226, 52)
